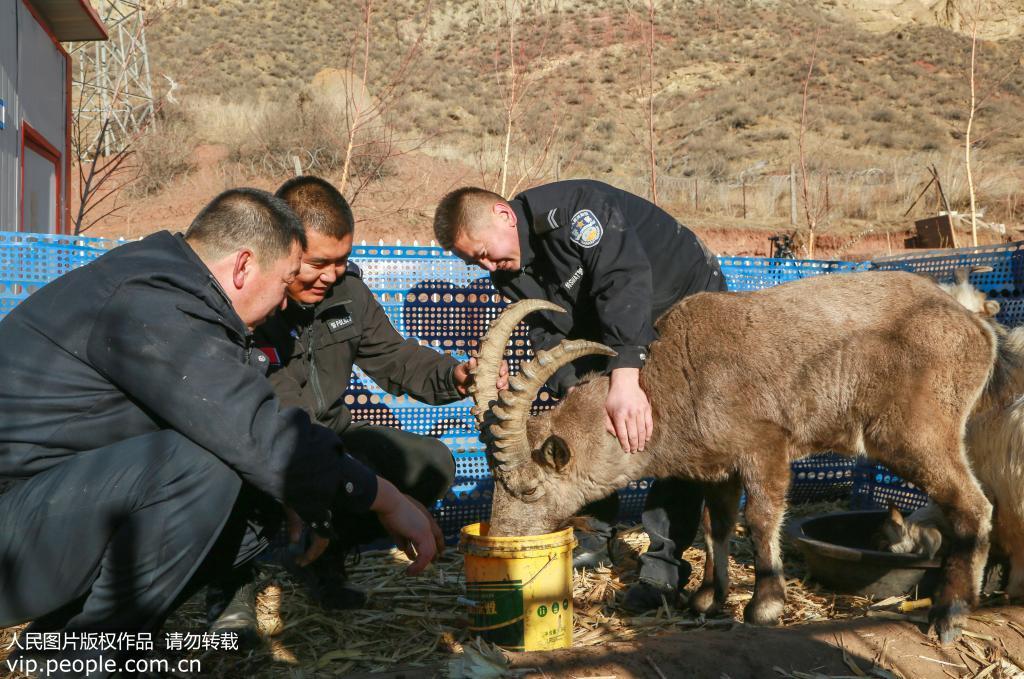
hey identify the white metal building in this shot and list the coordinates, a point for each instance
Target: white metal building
(35, 110)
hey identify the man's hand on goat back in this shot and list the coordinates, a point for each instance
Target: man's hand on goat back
(627, 410)
(463, 376)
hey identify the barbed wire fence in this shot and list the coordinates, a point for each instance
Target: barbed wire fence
(868, 194)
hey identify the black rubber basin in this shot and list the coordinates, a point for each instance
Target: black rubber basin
(840, 553)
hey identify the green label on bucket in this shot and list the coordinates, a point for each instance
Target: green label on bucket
(498, 615)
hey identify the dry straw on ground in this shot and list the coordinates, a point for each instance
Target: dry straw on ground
(419, 622)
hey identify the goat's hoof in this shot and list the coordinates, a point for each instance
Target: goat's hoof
(948, 621)
(703, 601)
(766, 613)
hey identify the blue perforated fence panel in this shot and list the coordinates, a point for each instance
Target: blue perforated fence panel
(29, 261)
(447, 305)
(1005, 283)
(754, 273)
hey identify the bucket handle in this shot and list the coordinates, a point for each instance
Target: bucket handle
(551, 558)
(469, 602)
(505, 623)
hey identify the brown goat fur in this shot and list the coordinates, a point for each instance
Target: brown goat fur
(995, 437)
(742, 384)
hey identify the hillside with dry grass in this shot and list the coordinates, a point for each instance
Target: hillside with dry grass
(887, 96)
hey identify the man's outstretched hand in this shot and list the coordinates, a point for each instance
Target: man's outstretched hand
(627, 410)
(413, 529)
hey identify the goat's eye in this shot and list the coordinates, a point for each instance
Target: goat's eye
(530, 492)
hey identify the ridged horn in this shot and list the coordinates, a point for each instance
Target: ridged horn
(492, 348)
(511, 447)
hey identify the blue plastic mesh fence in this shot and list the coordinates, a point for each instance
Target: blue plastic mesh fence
(1004, 283)
(754, 273)
(29, 261)
(447, 305)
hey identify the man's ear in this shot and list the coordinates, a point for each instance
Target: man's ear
(506, 210)
(245, 263)
(555, 453)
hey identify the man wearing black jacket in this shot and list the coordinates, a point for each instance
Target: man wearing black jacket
(615, 262)
(142, 434)
(331, 322)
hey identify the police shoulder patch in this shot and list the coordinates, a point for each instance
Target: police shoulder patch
(585, 229)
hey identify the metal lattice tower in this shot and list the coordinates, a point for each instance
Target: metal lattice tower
(111, 78)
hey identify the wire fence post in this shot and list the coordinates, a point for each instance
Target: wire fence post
(744, 197)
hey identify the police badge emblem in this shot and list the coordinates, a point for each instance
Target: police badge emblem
(585, 230)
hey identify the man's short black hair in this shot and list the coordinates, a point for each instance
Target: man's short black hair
(461, 211)
(319, 205)
(246, 218)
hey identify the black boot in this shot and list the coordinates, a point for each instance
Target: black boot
(647, 593)
(231, 608)
(592, 551)
(646, 596)
(326, 580)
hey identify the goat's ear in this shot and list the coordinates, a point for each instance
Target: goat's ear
(895, 515)
(555, 452)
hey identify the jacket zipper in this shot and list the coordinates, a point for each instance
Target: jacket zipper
(314, 377)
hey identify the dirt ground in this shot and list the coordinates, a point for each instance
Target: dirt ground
(849, 647)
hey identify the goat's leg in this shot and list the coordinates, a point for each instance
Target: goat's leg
(721, 507)
(766, 487)
(938, 465)
(1009, 533)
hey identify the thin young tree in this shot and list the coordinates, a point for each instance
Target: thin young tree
(972, 111)
(526, 151)
(104, 173)
(368, 140)
(978, 97)
(512, 92)
(653, 162)
(813, 212)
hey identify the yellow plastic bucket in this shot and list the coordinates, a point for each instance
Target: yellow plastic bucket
(520, 588)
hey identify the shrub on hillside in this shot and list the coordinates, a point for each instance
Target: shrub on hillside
(162, 153)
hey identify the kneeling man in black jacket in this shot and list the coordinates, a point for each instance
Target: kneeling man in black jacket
(145, 442)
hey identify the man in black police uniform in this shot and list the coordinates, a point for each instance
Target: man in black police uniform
(331, 322)
(616, 262)
(142, 433)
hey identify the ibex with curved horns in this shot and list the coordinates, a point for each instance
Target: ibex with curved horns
(741, 384)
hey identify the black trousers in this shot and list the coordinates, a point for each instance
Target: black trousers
(109, 539)
(419, 466)
(671, 516)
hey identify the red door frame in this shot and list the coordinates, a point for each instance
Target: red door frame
(63, 224)
(32, 140)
